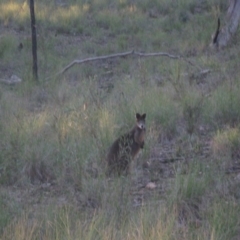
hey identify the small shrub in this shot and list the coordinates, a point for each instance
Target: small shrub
(226, 142)
(223, 106)
(191, 100)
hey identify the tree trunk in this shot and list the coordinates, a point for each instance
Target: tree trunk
(34, 40)
(223, 36)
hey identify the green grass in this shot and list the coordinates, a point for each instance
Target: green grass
(223, 223)
(55, 133)
(223, 106)
(9, 209)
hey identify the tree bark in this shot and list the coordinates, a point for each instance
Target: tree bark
(222, 37)
(34, 40)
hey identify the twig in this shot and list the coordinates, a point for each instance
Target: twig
(124, 54)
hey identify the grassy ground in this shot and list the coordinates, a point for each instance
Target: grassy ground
(55, 132)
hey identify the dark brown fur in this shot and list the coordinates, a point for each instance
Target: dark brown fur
(126, 147)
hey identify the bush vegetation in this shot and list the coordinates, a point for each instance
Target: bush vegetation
(55, 132)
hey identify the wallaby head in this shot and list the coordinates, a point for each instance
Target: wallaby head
(140, 121)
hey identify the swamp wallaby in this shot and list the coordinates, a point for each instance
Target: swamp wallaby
(126, 147)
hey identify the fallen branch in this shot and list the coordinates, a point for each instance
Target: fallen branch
(11, 81)
(157, 54)
(124, 54)
(93, 59)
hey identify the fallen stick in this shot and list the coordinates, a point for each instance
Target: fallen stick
(124, 54)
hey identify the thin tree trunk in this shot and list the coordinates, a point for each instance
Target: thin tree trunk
(34, 40)
(222, 37)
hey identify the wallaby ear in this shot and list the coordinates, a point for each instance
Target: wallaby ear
(144, 116)
(138, 115)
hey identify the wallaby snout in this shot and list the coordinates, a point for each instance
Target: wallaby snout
(141, 126)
